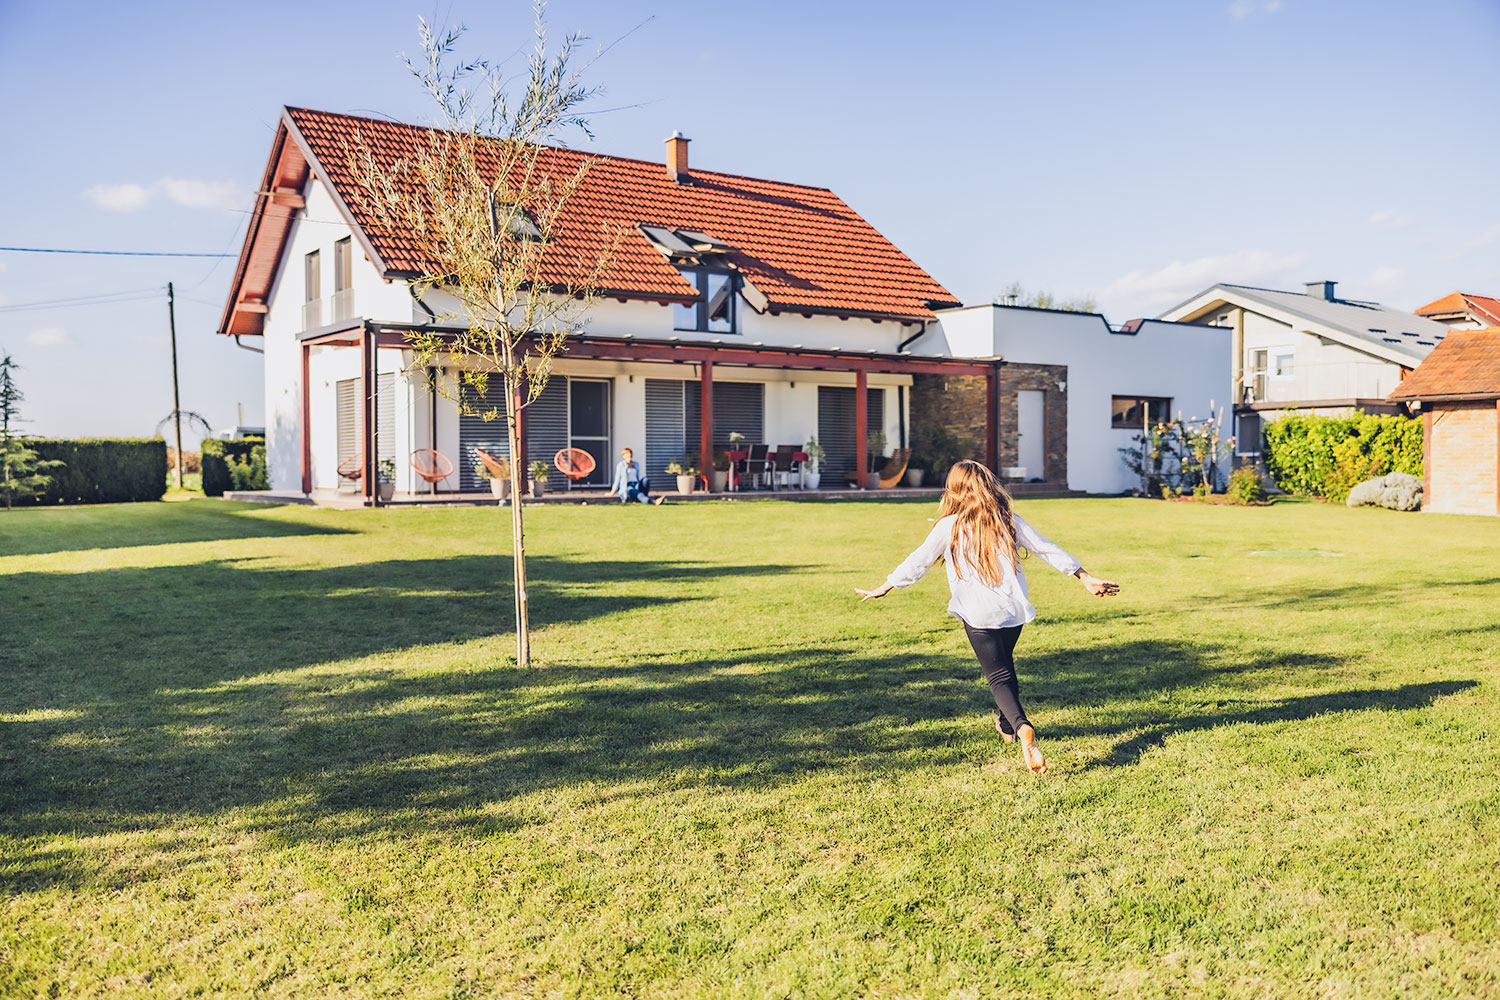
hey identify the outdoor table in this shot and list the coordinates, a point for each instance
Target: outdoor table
(735, 458)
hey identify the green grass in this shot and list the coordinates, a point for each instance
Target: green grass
(284, 752)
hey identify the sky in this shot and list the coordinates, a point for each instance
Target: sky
(1136, 153)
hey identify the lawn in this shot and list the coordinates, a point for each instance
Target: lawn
(284, 752)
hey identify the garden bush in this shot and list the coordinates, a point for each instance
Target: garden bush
(1327, 456)
(234, 465)
(1245, 486)
(103, 470)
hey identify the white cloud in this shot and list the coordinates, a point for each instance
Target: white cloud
(1387, 219)
(1383, 279)
(49, 336)
(200, 194)
(1148, 293)
(119, 197)
(1241, 9)
(186, 192)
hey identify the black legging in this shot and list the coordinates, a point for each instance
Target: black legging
(995, 648)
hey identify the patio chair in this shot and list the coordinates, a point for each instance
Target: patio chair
(890, 476)
(495, 465)
(756, 466)
(352, 469)
(431, 466)
(784, 465)
(575, 463)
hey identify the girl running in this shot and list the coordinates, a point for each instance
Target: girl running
(981, 538)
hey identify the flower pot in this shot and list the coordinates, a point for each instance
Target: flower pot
(537, 485)
(500, 488)
(872, 481)
(685, 484)
(914, 476)
(813, 478)
(721, 480)
(387, 490)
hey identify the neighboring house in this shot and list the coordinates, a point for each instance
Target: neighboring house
(1309, 351)
(734, 304)
(1073, 390)
(1462, 311)
(1457, 388)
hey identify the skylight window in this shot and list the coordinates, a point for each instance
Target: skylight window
(687, 245)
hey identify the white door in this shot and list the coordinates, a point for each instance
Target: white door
(1031, 448)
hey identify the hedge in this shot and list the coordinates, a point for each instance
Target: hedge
(1328, 456)
(104, 470)
(233, 465)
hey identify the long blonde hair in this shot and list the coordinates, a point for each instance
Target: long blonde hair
(983, 517)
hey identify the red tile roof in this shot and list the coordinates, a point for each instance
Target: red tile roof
(1466, 363)
(801, 247)
(1482, 306)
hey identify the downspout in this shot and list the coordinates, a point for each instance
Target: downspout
(412, 291)
(247, 347)
(921, 330)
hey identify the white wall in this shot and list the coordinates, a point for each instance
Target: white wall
(1321, 368)
(1186, 362)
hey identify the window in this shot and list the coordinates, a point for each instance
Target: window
(1281, 363)
(1256, 363)
(312, 277)
(342, 264)
(714, 311)
(1132, 413)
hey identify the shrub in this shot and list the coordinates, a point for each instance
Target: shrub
(1326, 456)
(190, 460)
(1398, 491)
(104, 470)
(1245, 486)
(937, 449)
(234, 465)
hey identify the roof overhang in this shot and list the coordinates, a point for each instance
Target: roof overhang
(601, 348)
(1445, 397)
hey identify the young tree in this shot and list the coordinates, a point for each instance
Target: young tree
(484, 196)
(1015, 294)
(22, 472)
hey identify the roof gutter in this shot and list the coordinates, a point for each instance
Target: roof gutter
(921, 331)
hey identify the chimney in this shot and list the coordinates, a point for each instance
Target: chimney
(1321, 290)
(677, 160)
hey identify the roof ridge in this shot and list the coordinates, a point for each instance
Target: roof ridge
(573, 149)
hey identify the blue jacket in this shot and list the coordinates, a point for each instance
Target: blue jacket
(624, 477)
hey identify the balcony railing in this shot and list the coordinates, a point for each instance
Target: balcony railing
(343, 305)
(334, 309)
(312, 314)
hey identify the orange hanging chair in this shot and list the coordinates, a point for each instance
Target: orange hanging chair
(575, 463)
(352, 467)
(497, 467)
(432, 466)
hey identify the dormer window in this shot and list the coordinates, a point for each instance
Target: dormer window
(714, 310)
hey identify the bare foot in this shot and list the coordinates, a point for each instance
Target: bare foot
(1007, 737)
(1031, 754)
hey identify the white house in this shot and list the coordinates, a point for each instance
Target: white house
(1309, 351)
(774, 304)
(1085, 387)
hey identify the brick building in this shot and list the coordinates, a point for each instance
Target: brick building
(1458, 390)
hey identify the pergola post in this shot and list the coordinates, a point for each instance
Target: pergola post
(306, 419)
(706, 425)
(992, 419)
(367, 423)
(861, 425)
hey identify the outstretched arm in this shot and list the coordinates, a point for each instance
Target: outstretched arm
(914, 566)
(1054, 556)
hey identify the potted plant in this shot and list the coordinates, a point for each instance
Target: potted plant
(875, 449)
(815, 456)
(385, 478)
(736, 441)
(499, 481)
(915, 474)
(687, 476)
(721, 470)
(540, 473)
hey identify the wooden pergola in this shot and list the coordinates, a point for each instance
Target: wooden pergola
(369, 336)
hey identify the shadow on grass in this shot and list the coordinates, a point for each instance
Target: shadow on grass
(364, 749)
(40, 530)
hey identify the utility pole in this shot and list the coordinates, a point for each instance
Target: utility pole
(176, 399)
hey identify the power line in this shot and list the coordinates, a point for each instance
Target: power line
(75, 303)
(81, 299)
(116, 253)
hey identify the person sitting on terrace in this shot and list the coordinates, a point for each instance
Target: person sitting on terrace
(629, 483)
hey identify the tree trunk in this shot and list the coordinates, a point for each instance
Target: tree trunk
(517, 530)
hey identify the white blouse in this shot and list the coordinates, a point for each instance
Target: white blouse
(975, 602)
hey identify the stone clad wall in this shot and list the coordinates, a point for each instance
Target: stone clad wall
(957, 402)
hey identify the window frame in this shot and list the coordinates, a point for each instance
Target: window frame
(312, 276)
(343, 264)
(1166, 410)
(700, 280)
(1273, 374)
